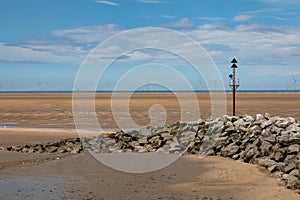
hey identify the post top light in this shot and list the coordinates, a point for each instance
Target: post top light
(234, 65)
(234, 61)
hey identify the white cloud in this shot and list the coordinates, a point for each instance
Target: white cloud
(150, 1)
(281, 1)
(108, 3)
(23, 54)
(169, 16)
(87, 34)
(211, 18)
(181, 24)
(242, 18)
(253, 44)
(67, 45)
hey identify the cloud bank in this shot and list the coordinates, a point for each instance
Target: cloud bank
(253, 44)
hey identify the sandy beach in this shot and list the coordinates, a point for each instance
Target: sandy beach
(33, 118)
(54, 110)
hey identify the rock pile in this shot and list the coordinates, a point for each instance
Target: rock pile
(72, 145)
(270, 142)
(173, 138)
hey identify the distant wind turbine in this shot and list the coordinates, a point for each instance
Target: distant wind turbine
(295, 83)
(149, 84)
(39, 85)
(214, 82)
(200, 85)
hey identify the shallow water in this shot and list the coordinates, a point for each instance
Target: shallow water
(28, 187)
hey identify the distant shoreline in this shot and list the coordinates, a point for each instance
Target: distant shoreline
(159, 91)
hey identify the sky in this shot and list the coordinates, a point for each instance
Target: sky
(44, 43)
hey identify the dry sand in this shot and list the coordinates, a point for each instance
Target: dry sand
(32, 176)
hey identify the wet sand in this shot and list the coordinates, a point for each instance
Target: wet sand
(29, 176)
(54, 110)
(33, 176)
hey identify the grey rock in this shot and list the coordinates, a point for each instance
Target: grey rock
(292, 182)
(259, 117)
(16, 148)
(276, 130)
(283, 123)
(271, 139)
(248, 118)
(239, 122)
(293, 149)
(61, 150)
(175, 143)
(255, 129)
(31, 150)
(265, 148)
(51, 149)
(149, 148)
(75, 151)
(232, 118)
(295, 135)
(230, 150)
(267, 116)
(295, 173)
(250, 154)
(278, 156)
(265, 162)
(273, 168)
(140, 149)
(236, 156)
(145, 132)
(293, 128)
(266, 124)
(143, 140)
(289, 158)
(288, 168)
(25, 150)
(156, 143)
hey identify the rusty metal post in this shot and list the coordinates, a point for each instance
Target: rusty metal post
(233, 84)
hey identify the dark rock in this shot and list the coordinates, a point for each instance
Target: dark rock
(289, 167)
(265, 124)
(293, 182)
(230, 150)
(250, 154)
(279, 157)
(265, 148)
(273, 168)
(271, 139)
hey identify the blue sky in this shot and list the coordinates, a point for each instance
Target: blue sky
(43, 43)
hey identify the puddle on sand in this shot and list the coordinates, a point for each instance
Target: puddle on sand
(9, 123)
(31, 188)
